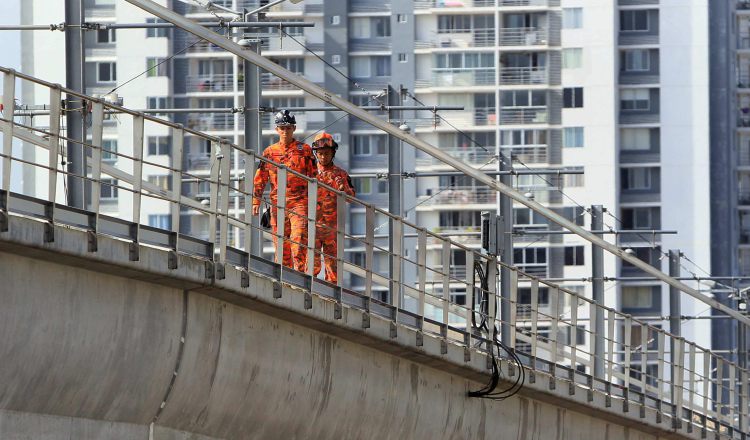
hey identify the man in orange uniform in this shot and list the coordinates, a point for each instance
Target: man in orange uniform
(296, 156)
(325, 233)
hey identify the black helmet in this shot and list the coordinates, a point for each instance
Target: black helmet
(284, 118)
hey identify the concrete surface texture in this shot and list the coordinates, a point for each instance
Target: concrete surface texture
(90, 355)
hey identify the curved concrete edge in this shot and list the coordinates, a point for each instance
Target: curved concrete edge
(16, 425)
(26, 238)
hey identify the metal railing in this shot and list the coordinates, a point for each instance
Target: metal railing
(457, 196)
(210, 83)
(463, 77)
(523, 115)
(523, 75)
(523, 36)
(637, 358)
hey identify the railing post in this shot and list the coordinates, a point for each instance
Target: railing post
(610, 345)
(369, 248)
(340, 239)
(513, 306)
(97, 131)
(492, 281)
(534, 320)
(446, 265)
(398, 251)
(280, 216)
(675, 322)
(252, 231)
(644, 355)
(53, 152)
(574, 331)
(678, 385)
(470, 286)
(225, 161)
(178, 142)
(626, 347)
(660, 364)
(312, 213)
(554, 303)
(422, 275)
(137, 183)
(9, 100)
(597, 284)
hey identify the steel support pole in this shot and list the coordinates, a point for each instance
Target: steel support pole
(394, 183)
(330, 98)
(75, 80)
(252, 133)
(675, 323)
(597, 284)
(505, 240)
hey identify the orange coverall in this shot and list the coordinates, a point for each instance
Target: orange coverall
(298, 157)
(327, 221)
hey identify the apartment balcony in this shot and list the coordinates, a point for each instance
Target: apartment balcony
(459, 78)
(205, 47)
(472, 155)
(366, 6)
(637, 2)
(636, 118)
(473, 38)
(743, 197)
(523, 115)
(744, 236)
(535, 269)
(372, 84)
(270, 82)
(211, 121)
(458, 195)
(210, 83)
(512, 76)
(744, 154)
(370, 45)
(743, 41)
(638, 38)
(528, 154)
(523, 37)
(522, 3)
(744, 262)
(453, 4)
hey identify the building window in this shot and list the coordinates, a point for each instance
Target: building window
(635, 179)
(157, 67)
(106, 72)
(335, 59)
(640, 297)
(163, 182)
(524, 98)
(464, 60)
(574, 256)
(380, 26)
(573, 97)
(156, 32)
(153, 103)
(108, 190)
(362, 185)
(402, 58)
(640, 218)
(573, 180)
(522, 137)
(572, 18)
(573, 137)
(453, 24)
(524, 217)
(574, 213)
(572, 58)
(369, 144)
(382, 186)
(636, 60)
(635, 139)
(159, 145)
(161, 221)
(106, 36)
(402, 18)
(109, 150)
(335, 20)
(382, 66)
(634, 21)
(360, 67)
(635, 100)
(296, 65)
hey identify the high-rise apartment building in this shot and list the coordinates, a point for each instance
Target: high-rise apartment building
(619, 89)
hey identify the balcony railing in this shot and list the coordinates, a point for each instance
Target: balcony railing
(527, 153)
(462, 77)
(471, 155)
(211, 121)
(743, 197)
(743, 153)
(519, 3)
(272, 82)
(523, 37)
(524, 115)
(210, 83)
(523, 75)
(473, 38)
(204, 47)
(458, 195)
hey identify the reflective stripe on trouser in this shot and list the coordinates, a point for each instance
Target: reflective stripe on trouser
(295, 233)
(325, 241)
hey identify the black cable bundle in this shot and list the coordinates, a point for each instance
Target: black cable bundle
(482, 302)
